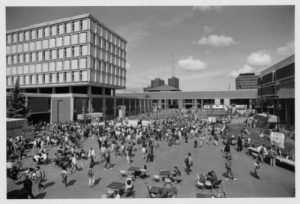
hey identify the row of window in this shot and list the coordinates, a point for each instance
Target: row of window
(81, 63)
(47, 31)
(102, 43)
(48, 78)
(65, 77)
(47, 43)
(63, 28)
(63, 41)
(75, 51)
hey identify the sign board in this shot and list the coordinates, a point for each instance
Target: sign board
(277, 139)
(212, 120)
(206, 106)
(240, 107)
(218, 106)
(92, 116)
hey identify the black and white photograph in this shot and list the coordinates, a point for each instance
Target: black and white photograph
(136, 101)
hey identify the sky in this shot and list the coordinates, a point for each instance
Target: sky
(211, 44)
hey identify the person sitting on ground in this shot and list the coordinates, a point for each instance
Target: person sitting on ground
(144, 170)
(175, 175)
(212, 177)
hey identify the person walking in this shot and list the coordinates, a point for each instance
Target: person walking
(27, 185)
(64, 176)
(107, 160)
(188, 163)
(74, 163)
(92, 155)
(228, 165)
(257, 164)
(91, 174)
(40, 176)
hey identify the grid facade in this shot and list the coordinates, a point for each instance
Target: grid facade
(70, 51)
(246, 82)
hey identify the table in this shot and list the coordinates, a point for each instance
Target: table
(117, 186)
(253, 151)
(134, 168)
(164, 173)
(285, 163)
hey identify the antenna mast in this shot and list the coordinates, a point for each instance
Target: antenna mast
(173, 67)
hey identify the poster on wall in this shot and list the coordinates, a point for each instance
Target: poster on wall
(277, 139)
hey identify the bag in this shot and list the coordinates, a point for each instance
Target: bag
(90, 173)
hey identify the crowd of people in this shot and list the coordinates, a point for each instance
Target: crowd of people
(117, 138)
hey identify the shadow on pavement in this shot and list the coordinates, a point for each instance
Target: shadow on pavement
(254, 175)
(17, 194)
(97, 181)
(49, 184)
(40, 196)
(71, 183)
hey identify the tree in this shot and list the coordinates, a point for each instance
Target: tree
(17, 107)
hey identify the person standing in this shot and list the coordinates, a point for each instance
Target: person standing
(27, 185)
(228, 165)
(239, 144)
(91, 174)
(272, 155)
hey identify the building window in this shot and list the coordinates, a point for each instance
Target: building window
(65, 52)
(65, 76)
(80, 26)
(50, 77)
(80, 76)
(73, 26)
(72, 76)
(24, 80)
(57, 77)
(73, 51)
(30, 79)
(80, 50)
(44, 78)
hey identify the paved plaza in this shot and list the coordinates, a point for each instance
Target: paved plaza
(273, 181)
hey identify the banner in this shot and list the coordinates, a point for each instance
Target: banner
(277, 139)
(212, 120)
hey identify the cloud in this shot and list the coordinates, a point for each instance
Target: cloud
(287, 49)
(259, 58)
(207, 8)
(191, 64)
(216, 40)
(245, 69)
(208, 29)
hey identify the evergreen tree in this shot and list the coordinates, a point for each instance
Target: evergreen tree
(16, 103)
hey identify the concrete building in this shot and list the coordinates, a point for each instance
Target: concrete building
(246, 81)
(276, 90)
(174, 82)
(157, 82)
(67, 67)
(177, 99)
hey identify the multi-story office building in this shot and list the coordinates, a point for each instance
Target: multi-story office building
(246, 81)
(67, 67)
(276, 90)
(157, 82)
(174, 82)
